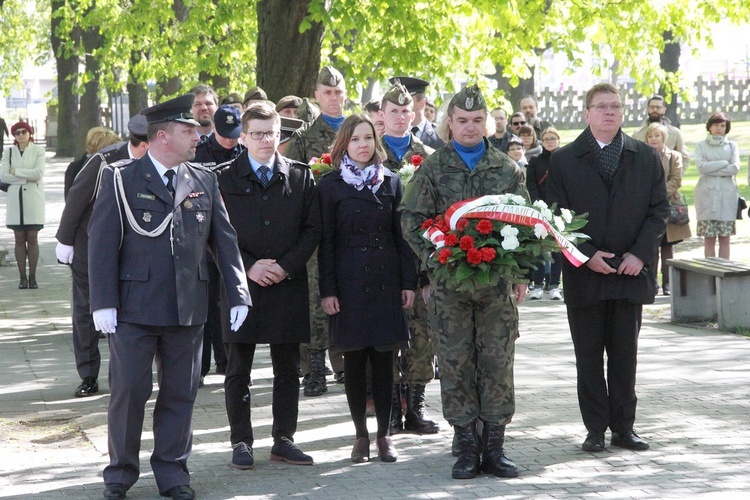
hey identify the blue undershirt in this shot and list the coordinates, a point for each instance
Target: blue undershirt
(472, 154)
(335, 123)
(399, 145)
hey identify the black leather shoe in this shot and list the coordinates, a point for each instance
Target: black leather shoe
(182, 492)
(115, 491)
(629, 440)
(594, 442)
(89, 386)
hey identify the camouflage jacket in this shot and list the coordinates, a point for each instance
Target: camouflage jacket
(311, 141)
(444, 179)
(416, 147)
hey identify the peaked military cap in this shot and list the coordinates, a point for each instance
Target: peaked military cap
(290, 101)
(288, 126)
(233, 98)
(398, 94)
(330, 77)
(138, 127)
(413, 85)
(307, 111)
(255, 94)
(227, 121)
(178, 109)
(469, 98)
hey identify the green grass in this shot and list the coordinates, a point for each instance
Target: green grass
(692, 134)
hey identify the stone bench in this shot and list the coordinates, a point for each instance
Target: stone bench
(710, 289)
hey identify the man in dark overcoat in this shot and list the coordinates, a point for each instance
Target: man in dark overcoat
(619, 182)
(272, 202)
(72, 249)
(152, 222)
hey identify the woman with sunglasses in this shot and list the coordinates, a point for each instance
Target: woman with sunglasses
(23, 168)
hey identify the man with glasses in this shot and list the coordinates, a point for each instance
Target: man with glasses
(502, 135)
(517, 120)
(619, 182)
(529, 108)
(656, 114)
(272, 203)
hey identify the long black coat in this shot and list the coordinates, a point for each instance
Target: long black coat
(280, 222)
(364, 261)
(629, 217)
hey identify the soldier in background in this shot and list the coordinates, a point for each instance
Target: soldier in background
(287, 106)
(232, 99)
(415, 367)
(312, 141)
(372, 109)
(421, 127)
(254, 94)
(476, 332)
(288, 127)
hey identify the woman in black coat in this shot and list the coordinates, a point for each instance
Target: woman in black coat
(367, 275)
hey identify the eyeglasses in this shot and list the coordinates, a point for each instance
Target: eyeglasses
(518, 123)
(257, 136)
(550, 139)
(22, 131)
(607, 107)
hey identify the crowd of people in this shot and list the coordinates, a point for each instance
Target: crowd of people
(211, 231)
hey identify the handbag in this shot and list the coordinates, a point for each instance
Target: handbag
(678, 213)
(741, 205)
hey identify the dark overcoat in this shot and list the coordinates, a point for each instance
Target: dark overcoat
(364, 261)
(280, 222)
(629, 217)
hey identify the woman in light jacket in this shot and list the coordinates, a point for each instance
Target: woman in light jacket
(23, 167)
(671, 161)
(717, 159)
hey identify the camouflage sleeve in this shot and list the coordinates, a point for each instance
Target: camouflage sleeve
(296, 149)
(419, 204)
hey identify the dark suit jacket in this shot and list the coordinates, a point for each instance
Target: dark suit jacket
(79, 202)
(430, 137)
(140, 275)
(280, 222)
(629, 217)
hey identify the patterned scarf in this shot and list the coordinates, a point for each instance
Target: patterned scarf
(372, 176)
(607, 159)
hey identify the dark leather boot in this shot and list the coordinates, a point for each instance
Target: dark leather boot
(316, 384)
(396, 424)
(494, 460)
(467, 465)
(416, 418)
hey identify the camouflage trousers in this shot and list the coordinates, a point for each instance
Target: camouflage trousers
(318, 323)
(476, 334)
(416, 365)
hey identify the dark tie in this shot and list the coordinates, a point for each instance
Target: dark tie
(263, 175)
(170, 181)
(415, 131)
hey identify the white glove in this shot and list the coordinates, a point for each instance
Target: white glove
(64, 253)
(237, 316)
(105, 320)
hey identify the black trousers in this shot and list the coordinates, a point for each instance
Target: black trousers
(610, 326)
(285, 401)
(85, 337)
(212, 328)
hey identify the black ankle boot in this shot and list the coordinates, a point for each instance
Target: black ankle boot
(467, 465)
(417, 419)
(494, 460)
(316, 383)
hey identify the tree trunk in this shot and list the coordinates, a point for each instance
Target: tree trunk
(515, 94)
(220, 82)
(90, 113)
(669, 60)
(67, 81)
(173, 86)
(279, 39)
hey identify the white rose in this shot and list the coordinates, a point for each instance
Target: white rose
(509, 231)
(510, 243)
(547, 214)
(540, 231)
(518, 200)
(540, 204)
(566, 215)
(559, 223)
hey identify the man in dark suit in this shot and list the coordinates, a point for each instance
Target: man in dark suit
(72, 249)
(619, 182)
(272, 202)
(152, 222)
(421, 127)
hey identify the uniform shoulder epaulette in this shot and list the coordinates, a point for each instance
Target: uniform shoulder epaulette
(121, 163)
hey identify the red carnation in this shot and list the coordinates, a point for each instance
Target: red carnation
(444, 255)
(443, 226)
(451, 240)
(416, 160)
(488, 254)
(484, 226)
(466, 243)
(461, 224)
(325, 158)
(474, 256)
(426, 224)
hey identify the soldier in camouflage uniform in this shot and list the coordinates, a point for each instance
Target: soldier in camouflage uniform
(476, 332)
(307, 142)
(415, 367)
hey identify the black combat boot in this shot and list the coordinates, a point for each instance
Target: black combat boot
(316, 384)
(494, 460)
(467, 465)
(416, 418)
(396, 424)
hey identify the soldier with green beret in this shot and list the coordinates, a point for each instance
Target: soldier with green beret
(415, 367)
(306, 143)
(476, 332)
